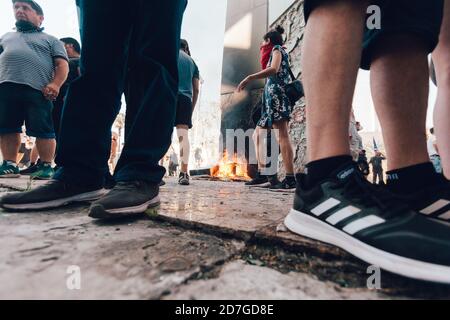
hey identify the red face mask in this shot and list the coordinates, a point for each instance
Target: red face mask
(266, 51)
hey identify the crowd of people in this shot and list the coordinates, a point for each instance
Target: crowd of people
(401, 226)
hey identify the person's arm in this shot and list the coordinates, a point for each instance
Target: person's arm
(270, 71)
(51, 91)
(195, 92)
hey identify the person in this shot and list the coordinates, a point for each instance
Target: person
(33, 67)
(377, 168)
(363, 164)
(276, 111)
(393, 227)
(433, 151)
(188, 92)
(198, 157)
(173, 163)
(73, 50)
(146, 36)
(441, 59)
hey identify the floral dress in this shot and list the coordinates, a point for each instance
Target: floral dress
(276, 105)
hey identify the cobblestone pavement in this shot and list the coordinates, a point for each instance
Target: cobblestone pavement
(211, 240)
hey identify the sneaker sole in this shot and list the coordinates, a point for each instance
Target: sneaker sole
(83, 197)
(283, 190)
(307, 226)
(264, 185)
(97, 211)
(9, 176)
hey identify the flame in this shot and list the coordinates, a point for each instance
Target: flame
(230, 168)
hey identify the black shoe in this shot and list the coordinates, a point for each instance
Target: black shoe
(433, 202)
(370, 223)
(259, 180)
(126, 199)
(52, 195)
(30, 170)
(162, 183)
(183, 179)
(285, 185)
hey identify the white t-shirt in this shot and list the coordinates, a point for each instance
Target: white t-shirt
(430, 144)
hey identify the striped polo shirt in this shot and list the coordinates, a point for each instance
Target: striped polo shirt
(28, 58)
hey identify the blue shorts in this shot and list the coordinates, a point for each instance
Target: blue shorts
(21, 104)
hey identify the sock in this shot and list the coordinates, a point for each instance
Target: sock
(321, 169)
(412, 179)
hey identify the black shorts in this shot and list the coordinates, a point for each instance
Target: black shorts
(184, 111)
(420, 17)
(21, 104)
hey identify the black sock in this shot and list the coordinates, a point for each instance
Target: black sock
(321, 169)
(412, 179)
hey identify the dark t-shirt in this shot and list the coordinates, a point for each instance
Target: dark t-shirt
(74, 65)
(377, 163)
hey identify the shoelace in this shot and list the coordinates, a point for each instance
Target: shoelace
(361, 191)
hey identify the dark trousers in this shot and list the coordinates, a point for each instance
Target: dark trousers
(113, 32)
(378, 175)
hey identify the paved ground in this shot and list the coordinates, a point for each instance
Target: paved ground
(212, 240)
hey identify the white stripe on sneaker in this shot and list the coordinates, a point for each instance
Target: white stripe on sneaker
(325, 206)
(362, 224)
(438, 205)
(445, 216)
(343, 214)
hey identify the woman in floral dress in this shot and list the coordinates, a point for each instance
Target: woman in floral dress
(276, 111)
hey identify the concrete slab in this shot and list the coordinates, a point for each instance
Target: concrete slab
(240, 281)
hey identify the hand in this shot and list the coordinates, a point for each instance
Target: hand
(51, 91)
(244, 84)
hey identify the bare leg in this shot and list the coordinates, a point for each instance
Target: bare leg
(46, 149)
(282, 131)
(185, 148)
(258, 139)
(441, 59)
(34, 155)
(399, 82)
(331, 58)
(10, 145)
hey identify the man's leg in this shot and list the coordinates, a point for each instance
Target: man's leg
(150, 135)
(399, 81)
(94, 99)
(46, 149)
(185, 148)
(331, 58)
(441, 59)
(10, 144)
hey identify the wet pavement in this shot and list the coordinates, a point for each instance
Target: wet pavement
(211, 240)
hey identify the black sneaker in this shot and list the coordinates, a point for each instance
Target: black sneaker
(259, 181)
(433, 202)
(285, 185)
(183, 179)
(370, 223)
(126, 199)
(52, 195)
(30, 170)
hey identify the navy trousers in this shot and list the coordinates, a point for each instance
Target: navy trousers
(114, 34)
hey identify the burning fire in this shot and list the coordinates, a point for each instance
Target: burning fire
(230, 168)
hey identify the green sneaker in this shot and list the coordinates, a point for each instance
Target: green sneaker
(9, 170)
(44, 172)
